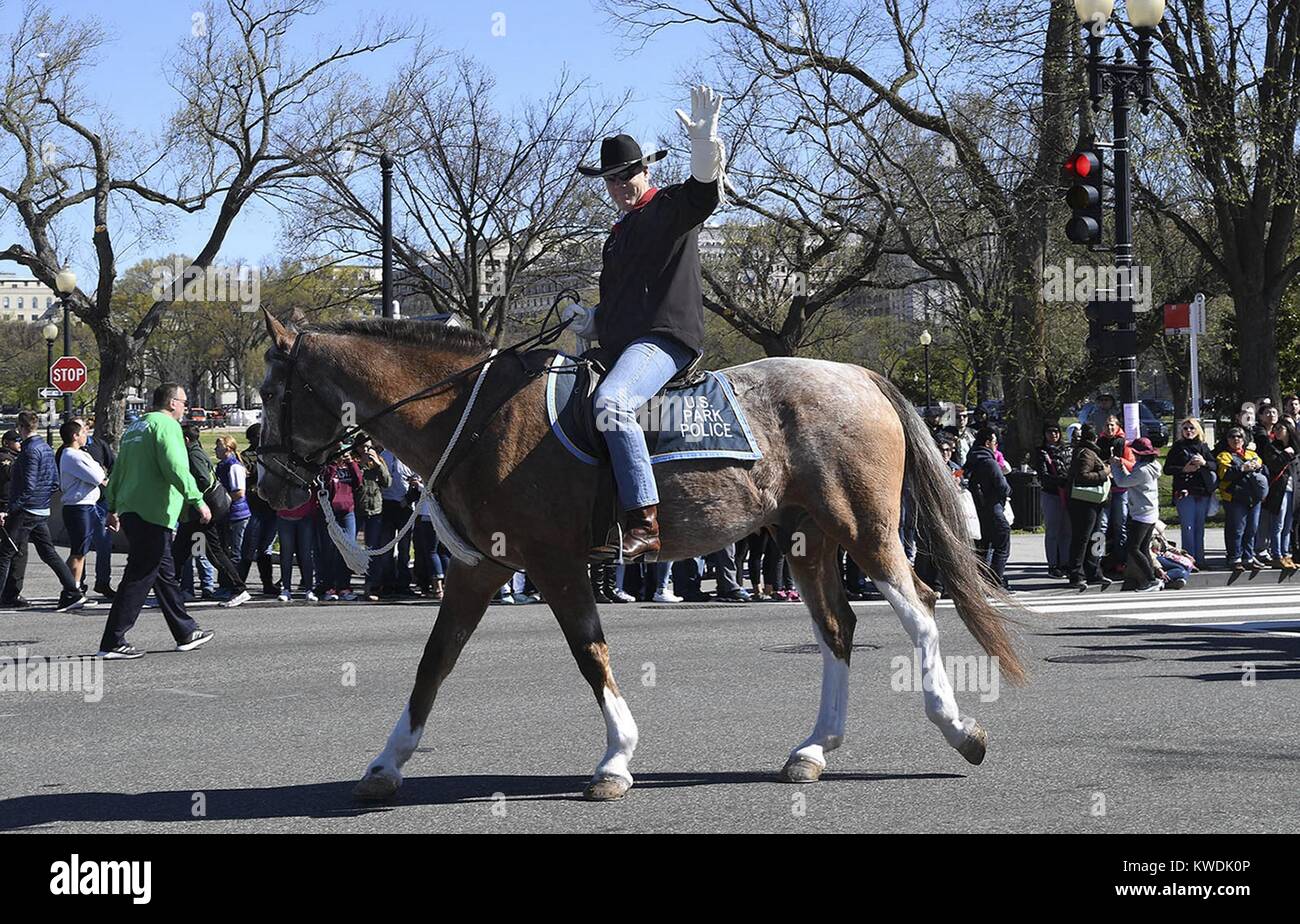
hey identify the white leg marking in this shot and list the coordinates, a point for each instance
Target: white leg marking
(621, 735)
(402, 743)
(828, 733)
(940, 704)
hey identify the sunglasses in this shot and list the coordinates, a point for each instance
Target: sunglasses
(624, 175)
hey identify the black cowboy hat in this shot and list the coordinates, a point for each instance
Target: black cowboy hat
(618, 153)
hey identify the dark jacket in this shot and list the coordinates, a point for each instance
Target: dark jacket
(35, 476)
(7, 460)
(1087, 467)
(988, 486)
(1052, 462)
(1199, 483)
(1274, 455)
(202, 472)
(650, 277)
(102, 453)
(256, 506)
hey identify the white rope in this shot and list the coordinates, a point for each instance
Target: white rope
(358, 556)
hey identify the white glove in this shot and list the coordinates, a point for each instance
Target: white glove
(584, 316)
(708, 153)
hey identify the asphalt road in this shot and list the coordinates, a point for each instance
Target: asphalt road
(265, 730)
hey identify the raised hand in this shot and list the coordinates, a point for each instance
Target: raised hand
(703, 120)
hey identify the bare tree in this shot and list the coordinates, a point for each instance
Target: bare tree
(248, 110)
(483, 197)
(1231, 105)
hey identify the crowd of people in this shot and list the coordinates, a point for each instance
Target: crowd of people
(1099, 500)
(1100, 495)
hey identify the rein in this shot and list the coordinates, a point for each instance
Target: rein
(318, 457)
(356, 556)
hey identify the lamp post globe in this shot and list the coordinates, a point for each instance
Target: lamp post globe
(65, 281)
(1090, 11)
(926, 340)
(1144, 14)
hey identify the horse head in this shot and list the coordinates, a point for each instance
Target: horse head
(294, 422)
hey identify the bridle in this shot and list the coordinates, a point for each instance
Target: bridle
(307, 471)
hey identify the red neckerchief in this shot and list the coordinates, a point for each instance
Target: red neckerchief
(640, 203)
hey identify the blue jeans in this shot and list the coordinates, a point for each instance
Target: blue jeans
(1116, 527)
(102, 543)
(1280, 528)
(1239, 531)
(297, 536)
(207, 575)
(1192, 510)
(334, 570)
(642, 369)
(234, 535)
(1056, 530)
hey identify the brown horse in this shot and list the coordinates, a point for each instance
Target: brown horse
(836, 441)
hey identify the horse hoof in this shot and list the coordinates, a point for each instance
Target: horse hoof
(801, 770)
(975, 745)
(607, 789)
(375, 786)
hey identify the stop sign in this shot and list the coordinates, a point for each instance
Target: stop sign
(68, 374)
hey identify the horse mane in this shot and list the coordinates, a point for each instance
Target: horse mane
(421, 333)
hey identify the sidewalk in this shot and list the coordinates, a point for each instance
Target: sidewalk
(1027, 568)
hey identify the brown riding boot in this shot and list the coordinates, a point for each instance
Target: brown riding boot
(640, 536)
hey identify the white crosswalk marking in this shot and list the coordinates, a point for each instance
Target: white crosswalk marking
(1245, 609)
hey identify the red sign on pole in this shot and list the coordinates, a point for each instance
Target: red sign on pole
(68, 374)
(1178, 316)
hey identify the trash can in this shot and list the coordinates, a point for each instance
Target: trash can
(1026, 499)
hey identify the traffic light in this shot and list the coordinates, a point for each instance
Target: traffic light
(1104, 339)
(1083, 173)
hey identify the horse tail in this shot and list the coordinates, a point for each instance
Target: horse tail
(941, 528)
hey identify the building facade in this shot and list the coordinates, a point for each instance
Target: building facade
(24, 299)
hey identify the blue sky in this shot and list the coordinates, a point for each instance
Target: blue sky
(541, 37)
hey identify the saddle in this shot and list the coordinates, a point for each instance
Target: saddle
(694, 416)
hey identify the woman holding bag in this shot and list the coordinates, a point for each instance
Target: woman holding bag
(1089, 491)
(1242, 487)
(1191, 462)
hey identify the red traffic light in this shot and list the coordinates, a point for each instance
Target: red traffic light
(1083, 165)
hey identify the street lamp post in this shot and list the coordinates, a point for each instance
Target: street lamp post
(925, 346)
(65, 283)
(1123, 80)
(386, 178)
(50, 332)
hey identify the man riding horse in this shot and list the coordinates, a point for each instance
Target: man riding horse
(650, 319)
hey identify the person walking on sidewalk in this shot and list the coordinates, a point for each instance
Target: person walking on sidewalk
(149, 484)
(80, 479)
(35, 476)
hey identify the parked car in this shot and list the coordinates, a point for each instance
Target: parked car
(1159, 406)
(197, 416)
(1151, 426)
(994, 408)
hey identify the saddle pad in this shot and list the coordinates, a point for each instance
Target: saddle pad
(700, 421)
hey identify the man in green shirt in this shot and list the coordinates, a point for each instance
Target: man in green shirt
(150, 484)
